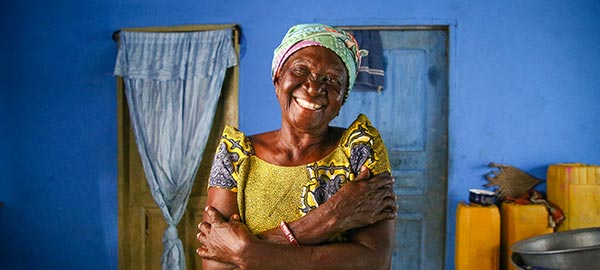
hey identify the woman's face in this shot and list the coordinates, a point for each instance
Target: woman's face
(311, 87)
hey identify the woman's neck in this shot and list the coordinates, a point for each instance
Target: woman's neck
(303, 139)
(289, 146)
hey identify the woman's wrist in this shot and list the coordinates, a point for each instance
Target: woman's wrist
(288, 234)
(243, 258)
(316, 227)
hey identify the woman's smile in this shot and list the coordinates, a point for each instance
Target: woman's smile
(307, 104)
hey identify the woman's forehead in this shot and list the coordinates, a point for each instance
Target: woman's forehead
(317, 55)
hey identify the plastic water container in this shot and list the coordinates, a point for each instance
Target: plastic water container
(477, 237)
(575, 188)
(520, 222)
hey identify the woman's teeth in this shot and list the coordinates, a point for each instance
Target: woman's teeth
(307, 105)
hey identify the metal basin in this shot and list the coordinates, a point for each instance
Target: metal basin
(569, 250)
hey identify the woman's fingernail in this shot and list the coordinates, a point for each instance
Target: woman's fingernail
(206, 208)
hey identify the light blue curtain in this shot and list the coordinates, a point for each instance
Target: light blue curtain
(173, 82)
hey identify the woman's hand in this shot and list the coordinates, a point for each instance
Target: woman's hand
(223, 241)
(364, 201)
(360, 203)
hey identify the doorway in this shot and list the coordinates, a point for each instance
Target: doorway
(411, 113)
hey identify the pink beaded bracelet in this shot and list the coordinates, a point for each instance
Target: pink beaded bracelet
(288, 234)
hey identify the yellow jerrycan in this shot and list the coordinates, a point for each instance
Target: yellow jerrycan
(575, 188)
(519, 222)
(477, 237)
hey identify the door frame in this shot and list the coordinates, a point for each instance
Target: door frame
(229, 101)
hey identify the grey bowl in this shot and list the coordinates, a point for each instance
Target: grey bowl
(517, 261)
(568, 250)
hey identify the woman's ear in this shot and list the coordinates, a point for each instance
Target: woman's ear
(276, 84)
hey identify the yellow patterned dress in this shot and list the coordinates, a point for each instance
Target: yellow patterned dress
(268, 194)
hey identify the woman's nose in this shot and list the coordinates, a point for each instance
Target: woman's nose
(314, 84)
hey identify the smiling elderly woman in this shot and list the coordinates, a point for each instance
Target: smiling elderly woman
(309, 195)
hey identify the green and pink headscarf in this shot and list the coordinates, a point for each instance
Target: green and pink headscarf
(340, 42)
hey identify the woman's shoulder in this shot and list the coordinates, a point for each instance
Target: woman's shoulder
(236, 140)
(233, 132)
(363, 145)
(360, 131)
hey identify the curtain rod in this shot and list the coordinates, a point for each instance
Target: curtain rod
(186, 28)
(392, 27)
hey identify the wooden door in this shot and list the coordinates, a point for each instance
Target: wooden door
(411, 114)
(141, 223)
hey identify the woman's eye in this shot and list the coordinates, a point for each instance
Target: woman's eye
(332, 80)
(300, 71)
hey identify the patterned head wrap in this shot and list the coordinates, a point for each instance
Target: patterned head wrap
(303, 35)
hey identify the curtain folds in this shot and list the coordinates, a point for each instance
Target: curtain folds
(172, 83)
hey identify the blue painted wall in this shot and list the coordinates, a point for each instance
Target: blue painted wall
(524, 91)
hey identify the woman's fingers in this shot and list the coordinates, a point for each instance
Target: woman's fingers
(382, 181)
(204, 252)
(201, 251)
(390, 205)
(212, 215)
(385, 202)
(364, 174)
(388, 193)
(381, 187)
(204, 228)
(235, 217)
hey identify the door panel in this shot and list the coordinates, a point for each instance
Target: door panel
(411, 115)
